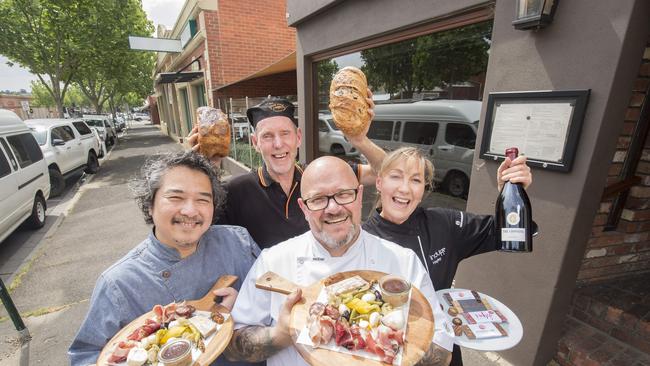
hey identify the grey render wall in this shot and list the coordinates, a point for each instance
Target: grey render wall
(591, 44)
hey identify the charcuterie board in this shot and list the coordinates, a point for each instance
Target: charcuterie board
(217, 342)
(419, 325)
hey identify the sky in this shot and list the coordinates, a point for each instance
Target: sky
(158, 11)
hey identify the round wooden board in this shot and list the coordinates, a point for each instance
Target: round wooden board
(213, 349)
(419, 331)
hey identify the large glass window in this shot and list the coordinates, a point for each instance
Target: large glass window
(417, 84)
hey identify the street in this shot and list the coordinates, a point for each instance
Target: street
(100, 223)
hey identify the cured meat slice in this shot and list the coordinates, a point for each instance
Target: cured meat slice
(121, 352)
(332, 312)
(357, 340)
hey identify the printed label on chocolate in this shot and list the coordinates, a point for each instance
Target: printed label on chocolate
(513, 234)
(487, 316)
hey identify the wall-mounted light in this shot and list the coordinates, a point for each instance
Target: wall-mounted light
(534, 14)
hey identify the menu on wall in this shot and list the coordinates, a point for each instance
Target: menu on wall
(538, 128)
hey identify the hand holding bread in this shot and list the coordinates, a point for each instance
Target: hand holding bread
(348, 101)
(213, 132)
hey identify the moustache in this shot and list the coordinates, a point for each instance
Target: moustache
(187, 220)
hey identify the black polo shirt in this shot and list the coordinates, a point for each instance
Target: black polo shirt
(258, 203)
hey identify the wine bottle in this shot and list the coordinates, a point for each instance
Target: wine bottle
(514, 215)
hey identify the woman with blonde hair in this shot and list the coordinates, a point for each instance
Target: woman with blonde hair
(441, 237)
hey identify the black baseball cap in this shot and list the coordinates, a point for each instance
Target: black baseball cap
(271, 107)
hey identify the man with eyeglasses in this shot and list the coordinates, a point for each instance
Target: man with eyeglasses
(331, 202)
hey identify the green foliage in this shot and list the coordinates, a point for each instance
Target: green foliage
(242, 152)
(74, 97)
(113, 69)
(435, 60)
(80, 41)
(45, 37)
(326, 71)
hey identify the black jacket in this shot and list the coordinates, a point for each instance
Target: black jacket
(446, 236)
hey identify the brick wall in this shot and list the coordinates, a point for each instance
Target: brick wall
(244, 36)
(626, 250)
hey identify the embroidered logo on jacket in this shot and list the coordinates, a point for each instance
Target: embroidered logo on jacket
(436, 257)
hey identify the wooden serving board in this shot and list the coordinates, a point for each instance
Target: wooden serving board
(212, 350)
(419, 331)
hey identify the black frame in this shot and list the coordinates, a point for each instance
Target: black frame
(578, 99)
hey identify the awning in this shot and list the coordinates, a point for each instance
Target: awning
(287, 63)
(178, 77)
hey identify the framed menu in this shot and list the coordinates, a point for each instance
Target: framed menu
(544, 125)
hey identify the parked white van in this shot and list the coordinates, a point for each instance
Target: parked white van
(445, 130)
(24, 178)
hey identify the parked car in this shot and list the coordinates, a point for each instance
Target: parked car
(24, 177)
(331, 139)
(68, 145)
(141, 117)
(98, 126)
(120, 123)
(444, 129)
(104, 126)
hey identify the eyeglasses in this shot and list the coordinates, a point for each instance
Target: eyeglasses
(341, 197)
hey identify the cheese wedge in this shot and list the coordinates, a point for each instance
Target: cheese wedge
(204, 325)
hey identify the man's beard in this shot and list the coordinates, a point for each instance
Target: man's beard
(332, 243)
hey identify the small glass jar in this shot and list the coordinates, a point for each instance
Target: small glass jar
(394, 290)
(177, 352)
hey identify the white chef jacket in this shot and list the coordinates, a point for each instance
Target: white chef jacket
(305, 261)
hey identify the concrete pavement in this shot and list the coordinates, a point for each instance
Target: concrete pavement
(102, 225)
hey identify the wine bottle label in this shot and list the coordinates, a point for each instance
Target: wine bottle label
(513, 234)
(513, 218)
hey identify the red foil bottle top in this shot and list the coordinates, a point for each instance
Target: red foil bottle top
(512, 153)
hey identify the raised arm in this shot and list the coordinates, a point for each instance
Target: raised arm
(369, 149)
(515, 171)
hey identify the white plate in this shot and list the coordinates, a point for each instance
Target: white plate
(512, 327)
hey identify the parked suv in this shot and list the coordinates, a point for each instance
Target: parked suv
(445, 130)
(68, 145)
(24, 177)
(104, 126)
(331, 139)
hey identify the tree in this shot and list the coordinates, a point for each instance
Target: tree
(41, 96)
(112, 67)
(435, 60)
(390, 68)
(45, 37)
(445, 58)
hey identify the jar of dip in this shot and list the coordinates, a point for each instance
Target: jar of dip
(177, 352)
(394, 290)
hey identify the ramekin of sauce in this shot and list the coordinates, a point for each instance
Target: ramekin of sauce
(177, 352)
(394, 290)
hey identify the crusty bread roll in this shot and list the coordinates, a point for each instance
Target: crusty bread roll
(214, 132)
(348, 93)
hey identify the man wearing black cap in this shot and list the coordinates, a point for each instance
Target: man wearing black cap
(265, 201)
